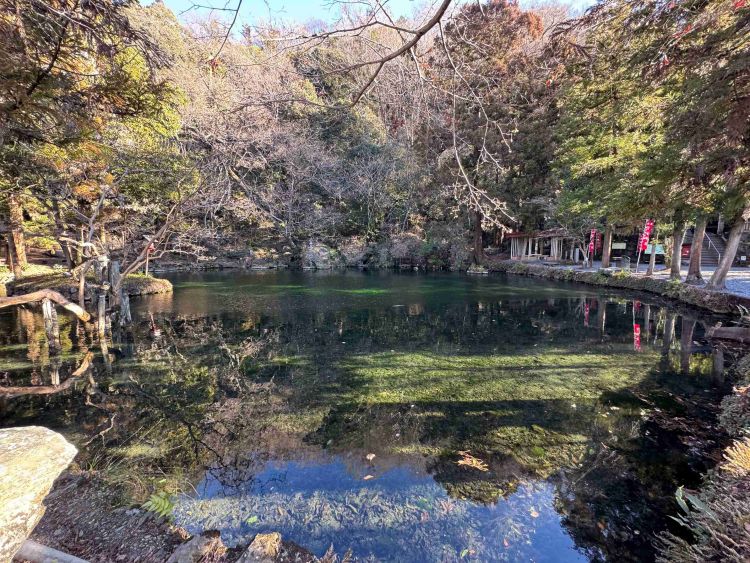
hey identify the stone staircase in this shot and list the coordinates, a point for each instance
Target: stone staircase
(713, 248)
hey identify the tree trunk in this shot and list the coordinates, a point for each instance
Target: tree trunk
(735, 236)
(478, 245)
(678, 235)
(686, 344)
(667, 340)
(652, 257)
(696, 249)
(17, 238)
(12, 262)
(607, 249)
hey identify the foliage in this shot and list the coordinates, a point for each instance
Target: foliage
(160, 503)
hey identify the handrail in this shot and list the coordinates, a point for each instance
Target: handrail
(711, 243)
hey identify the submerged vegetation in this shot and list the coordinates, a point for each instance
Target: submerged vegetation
(420, 420)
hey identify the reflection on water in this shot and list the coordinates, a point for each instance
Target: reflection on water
(403, 514)
(404, 417)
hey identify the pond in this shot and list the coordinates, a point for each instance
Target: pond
(404, 417)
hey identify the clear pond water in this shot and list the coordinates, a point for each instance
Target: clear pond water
(404, 417)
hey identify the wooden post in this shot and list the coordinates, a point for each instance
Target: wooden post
(718, 362)
(125, 316)
(101, 313)
(51, 326)
(115, 281)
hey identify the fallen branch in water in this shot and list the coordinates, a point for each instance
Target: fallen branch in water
(50, 389)
(38, 296)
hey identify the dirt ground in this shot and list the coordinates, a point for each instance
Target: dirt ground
(83, 519)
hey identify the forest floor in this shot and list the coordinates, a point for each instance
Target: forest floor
(83, 518)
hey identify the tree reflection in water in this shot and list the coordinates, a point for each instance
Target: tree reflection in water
(259, 405)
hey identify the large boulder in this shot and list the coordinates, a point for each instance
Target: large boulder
(318, 256)
(31, 458)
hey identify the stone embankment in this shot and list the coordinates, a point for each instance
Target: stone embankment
(715, 301)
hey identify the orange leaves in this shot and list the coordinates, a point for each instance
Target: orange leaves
(468, 460)
(536, 25)
(88, 190)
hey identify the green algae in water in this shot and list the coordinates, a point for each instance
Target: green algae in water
(335, 407)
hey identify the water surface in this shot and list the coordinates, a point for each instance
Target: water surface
(405, 417)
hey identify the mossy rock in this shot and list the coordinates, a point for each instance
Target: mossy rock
(139, 284)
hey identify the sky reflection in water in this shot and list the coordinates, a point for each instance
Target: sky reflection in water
(568, 395)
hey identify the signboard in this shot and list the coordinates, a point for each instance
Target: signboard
(619, 246)
(659, 249)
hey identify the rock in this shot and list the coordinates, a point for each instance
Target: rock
(31, 458)
(477, 270)
(265, 548)
(318, 256)
(355, 252)
(198, 547)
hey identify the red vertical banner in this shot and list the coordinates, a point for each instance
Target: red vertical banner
(636, 337)
(592, 243)
(647, 230)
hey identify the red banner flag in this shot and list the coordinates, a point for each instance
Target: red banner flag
(647, 230)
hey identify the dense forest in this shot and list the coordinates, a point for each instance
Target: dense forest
(129, 134)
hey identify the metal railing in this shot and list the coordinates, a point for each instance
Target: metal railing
(711, 244)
